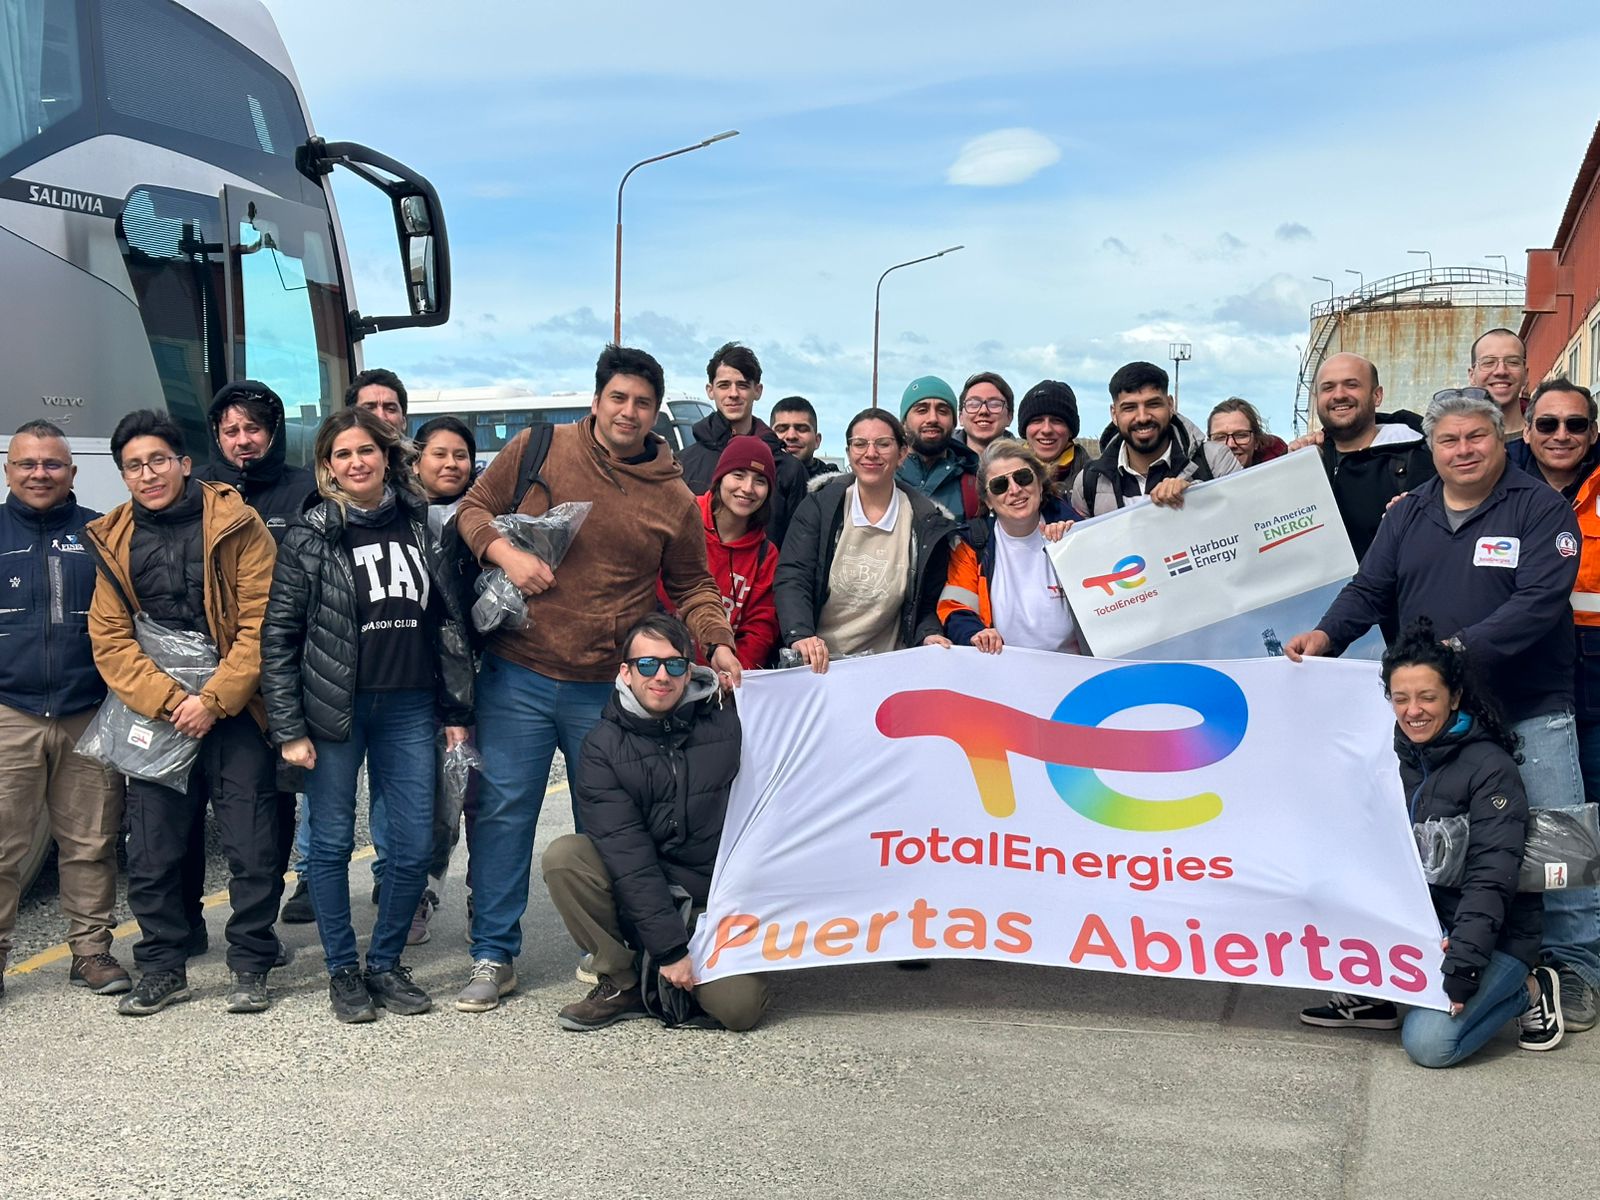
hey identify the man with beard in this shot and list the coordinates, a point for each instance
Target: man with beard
(1155, 454)
(1500, 367)
(1370, 457)
(941, 468)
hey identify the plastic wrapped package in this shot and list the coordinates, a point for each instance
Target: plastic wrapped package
(789, 658)
(500, 602)
(1562, 849)
(148, 747)
(459, 761)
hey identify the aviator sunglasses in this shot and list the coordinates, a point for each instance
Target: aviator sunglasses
(650, 664)
(999, 485)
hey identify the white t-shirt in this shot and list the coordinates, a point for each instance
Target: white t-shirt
(1025, 595)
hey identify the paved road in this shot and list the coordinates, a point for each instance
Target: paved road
(972, 1079)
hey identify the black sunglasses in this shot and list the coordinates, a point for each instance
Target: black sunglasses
(999, 485)
(1548, 425)
(650, 664)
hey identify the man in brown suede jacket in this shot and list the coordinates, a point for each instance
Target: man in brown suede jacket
(544, 685)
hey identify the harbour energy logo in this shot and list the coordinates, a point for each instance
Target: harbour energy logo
(1075, 747)
(1127, 574)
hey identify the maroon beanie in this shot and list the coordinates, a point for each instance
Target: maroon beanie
(747, 453)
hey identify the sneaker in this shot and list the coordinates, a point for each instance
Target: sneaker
(1577, 1001)
(1344, 1011)
(1541, 1023)
(394, 990)
(347, 992)
(199, 941)
(585, 972)
(606, 1004)
(488, 982)
(297, 908)
(418, 933)
(100, 973)
(248, 993)
(154, 992)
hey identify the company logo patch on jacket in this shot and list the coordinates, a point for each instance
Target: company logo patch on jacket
(1566, 545)
(1494, 551)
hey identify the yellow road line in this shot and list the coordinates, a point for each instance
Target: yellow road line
(56, 953)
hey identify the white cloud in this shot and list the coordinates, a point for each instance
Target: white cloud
(1002, 158)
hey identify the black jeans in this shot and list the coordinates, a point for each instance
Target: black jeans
(235, 766)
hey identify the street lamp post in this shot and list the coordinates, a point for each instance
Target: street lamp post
(1429, 254)
(1329, 282)
(877, 307)
(1362, 284)
(616, 315)
(1179, 353)
(1505, 267)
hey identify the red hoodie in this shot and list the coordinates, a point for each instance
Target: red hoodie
(743, 570)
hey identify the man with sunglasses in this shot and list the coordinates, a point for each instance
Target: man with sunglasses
(651, 787)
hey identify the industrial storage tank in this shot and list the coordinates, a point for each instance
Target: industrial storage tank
(1417, 328)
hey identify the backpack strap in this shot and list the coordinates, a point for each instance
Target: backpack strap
(110, 576)
(969, 495)
(534, 451)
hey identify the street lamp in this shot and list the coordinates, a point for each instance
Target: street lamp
(1329, 282)
(1363, 279)
(877, 307)
(1505, 267)
(1178, 352)
(1429, 253)
(616, 318)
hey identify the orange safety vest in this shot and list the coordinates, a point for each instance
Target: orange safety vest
(1586, 592)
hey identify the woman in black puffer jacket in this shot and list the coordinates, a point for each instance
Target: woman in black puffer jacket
(1456, 757)
(363, 648)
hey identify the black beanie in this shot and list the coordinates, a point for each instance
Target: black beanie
(1049, 398)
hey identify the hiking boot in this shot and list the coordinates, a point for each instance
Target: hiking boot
(248, 993)
(394, 990)
(199, 941)
(297, 908)
(418, 933)
(1540, 1024)
(100, 973)
(347, 992)
(1344, 1011)
(606, 1004)
(1577, 1001)
(154, 992)
(585, 972)
(488, 982)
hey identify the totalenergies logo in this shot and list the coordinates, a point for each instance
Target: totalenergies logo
(1127, 574)
(1077, 748)
(1497, 549)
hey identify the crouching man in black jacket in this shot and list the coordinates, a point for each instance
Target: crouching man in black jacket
(652, 790)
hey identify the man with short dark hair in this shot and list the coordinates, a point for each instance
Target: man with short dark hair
(941, 468)
(652, 790)
(49, 692)
(794, 421)
(733, 384)
(380, 392)
(544, 683)
(195, 558)
(985, 406)
(1499, 366)
(1155, 453)
(1049, 422)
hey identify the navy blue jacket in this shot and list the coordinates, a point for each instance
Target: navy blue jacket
(46, 583)
(1515, 621)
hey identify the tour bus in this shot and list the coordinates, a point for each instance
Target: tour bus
(498, 413)
(167, 226)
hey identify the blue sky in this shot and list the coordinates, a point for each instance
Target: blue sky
(1121, 177)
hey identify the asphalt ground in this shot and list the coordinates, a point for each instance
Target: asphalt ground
(969, 1079)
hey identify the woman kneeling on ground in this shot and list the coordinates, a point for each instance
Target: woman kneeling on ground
(364, 645)
(1457, 757)
(1000, 589)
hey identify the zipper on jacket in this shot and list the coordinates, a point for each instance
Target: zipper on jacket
(49, 612)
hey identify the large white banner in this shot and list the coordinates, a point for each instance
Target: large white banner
(1235, 821)
(1249, 561)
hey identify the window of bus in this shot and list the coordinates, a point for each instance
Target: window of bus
(41, 77)
(493, 430)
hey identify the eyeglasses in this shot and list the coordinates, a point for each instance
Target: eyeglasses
(29, 465)
(1549, 425)
(650, 664)
(974, 404)
(158, 463)
(1233, 439)
(999, 485)
(1511, 361)
(881, 445)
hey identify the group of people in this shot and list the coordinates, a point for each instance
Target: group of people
(338, 603)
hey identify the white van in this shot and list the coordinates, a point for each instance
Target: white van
(496, 414)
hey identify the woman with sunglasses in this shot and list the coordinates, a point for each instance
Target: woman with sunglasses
(1236, 424)
(1000, 589)
(865, 555)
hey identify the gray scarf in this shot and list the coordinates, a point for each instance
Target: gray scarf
(369, 518)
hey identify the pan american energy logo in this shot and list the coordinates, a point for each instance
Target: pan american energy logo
(1075, 747)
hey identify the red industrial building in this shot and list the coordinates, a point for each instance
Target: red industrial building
(1561, 320)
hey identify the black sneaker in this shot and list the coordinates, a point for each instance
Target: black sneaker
(394, 990)
(154, 992)
(1541, 1025)
(347, 992)
(297, 908)
(199, 941)
(1344, 1011)
(248, 993)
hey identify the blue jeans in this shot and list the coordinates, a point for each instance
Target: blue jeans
(394, 732)
(375, 810)
(1436, 1039)
(1589, 758)
(522, 717)
(1553, 779)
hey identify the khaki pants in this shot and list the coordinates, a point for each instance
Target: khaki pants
(581, 890)
(39, 773)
